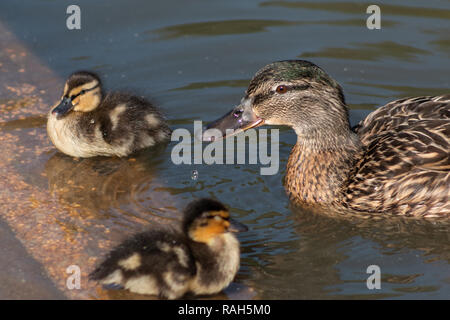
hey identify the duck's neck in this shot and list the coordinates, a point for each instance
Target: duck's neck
(319, 166)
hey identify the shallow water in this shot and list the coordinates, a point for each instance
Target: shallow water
(195, 61)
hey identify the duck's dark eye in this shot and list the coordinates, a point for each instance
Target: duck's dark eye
(281, 89)
(237, 113)
(82, 91)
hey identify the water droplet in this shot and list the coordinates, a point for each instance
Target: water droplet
(194, 175)
(92, 121)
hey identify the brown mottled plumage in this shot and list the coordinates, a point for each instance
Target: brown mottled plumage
(405, 166)
(396, 161)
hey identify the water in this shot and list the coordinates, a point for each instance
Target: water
(195, 60)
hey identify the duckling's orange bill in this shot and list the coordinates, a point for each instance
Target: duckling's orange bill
(215, 227)
(66, 105)
(237, 120)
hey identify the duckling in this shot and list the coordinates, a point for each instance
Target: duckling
(395, 161)
(87, 123)
(202, 260)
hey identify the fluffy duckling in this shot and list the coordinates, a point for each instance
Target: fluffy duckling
(395, 161)
(87, 123)
(202, 260)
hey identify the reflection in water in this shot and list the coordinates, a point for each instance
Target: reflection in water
(402, 91)
(370, 51)
(25, 123)
(359, 7)
(215, 84)
(442, 45)
(124, 194)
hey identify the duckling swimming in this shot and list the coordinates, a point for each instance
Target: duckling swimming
(87, 123)
(395, 161)
(202, 260)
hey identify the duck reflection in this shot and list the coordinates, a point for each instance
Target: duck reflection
(327, 257)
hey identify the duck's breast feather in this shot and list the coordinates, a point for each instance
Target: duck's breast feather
(403, 112)
(405, 164)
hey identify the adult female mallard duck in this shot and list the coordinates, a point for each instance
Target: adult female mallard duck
(203, 259)
(395, 161)
(87, 123)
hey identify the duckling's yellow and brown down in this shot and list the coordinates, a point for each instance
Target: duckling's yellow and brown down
(89, 123)
(201, 260)
(395, 161)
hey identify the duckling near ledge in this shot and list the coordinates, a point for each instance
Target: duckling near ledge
(395, 161)
(202, 260)
(87, 123)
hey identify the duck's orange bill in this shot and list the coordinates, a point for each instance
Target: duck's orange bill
(237, 120)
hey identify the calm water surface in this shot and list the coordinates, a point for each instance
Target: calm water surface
(195, 60)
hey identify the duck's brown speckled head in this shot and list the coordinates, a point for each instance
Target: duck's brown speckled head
(295, 93)
(82, 93)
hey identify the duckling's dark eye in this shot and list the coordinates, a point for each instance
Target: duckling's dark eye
(82, 91)
(281, 89)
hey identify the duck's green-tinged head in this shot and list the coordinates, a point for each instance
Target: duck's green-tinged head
(82, 93)
(295, 93)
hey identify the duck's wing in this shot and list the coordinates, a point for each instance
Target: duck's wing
(405, 166)
(402, 112)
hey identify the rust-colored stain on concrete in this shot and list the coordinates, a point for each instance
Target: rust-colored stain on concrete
(56, 205)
